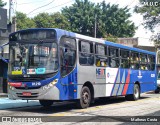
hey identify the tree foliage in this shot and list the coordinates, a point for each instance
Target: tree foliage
(55, 20)
(156, 39)
(2, 4)
(23, 22)
(110, 19)
(81, 17)
(150, 11)
(43, 20)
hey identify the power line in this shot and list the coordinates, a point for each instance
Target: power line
(30, 2)
(128, 4)
(53, 7)
(41, 7)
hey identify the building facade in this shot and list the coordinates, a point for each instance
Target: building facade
(142, 43)
(5, 29)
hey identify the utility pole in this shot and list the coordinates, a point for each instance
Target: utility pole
(95, 26)
(10, 9)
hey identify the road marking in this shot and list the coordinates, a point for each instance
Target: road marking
(61, 114)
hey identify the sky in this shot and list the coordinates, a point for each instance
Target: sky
(28, 7)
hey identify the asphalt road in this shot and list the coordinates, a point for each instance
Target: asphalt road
(104, 111)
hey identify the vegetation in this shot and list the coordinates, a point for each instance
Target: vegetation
(150, 11)
(2, 4)
(81, 17)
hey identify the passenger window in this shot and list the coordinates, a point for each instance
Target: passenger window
(113, 52)
(134, 59)
(124, 59)
(143, 62)
(114, 57)
(100, 55)
(86, 56)
(67, 55)
(151, 62)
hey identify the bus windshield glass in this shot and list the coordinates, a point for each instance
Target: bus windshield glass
(37, 58)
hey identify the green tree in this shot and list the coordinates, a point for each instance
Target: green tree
(60, 21)
(81, 17)
(117, 21)
(2, 4)
(54, 20)
(109, 19)
(43, 20)
(23, 22)
(150, 11)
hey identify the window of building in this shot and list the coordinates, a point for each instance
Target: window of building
(114, 57)
(86, 56)
(67, 55)
(100, 55)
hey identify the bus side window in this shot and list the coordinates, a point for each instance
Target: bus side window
(114, 57)
(86, 56)
(124, 58)
(134, 59)
(101, 55)
(143, 62)
(151, 62)
(67, 55)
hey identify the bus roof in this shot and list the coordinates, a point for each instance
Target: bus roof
(61, 32)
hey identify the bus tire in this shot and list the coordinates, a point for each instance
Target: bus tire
(85, 98)
(157, 90)
(136, 94)
(46, 103)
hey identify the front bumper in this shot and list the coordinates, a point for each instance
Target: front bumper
(36, 94)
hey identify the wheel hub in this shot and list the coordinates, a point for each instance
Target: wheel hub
(136, 92)
(85, 97)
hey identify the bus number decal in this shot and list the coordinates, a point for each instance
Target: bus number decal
(36, 83)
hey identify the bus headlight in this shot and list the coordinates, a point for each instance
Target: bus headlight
(11, 87)
(50, 84)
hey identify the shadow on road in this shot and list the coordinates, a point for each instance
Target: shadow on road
(67, 106)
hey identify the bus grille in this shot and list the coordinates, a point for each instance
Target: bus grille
(28, 87)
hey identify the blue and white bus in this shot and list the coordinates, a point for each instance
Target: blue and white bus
(57, 65)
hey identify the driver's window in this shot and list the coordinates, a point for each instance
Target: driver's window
(67, 55)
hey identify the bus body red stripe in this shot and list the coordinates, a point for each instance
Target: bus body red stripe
(127, 84)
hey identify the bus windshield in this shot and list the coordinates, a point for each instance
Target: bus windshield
(36, 58)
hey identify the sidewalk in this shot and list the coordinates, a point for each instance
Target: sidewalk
(3, 95)
(6, 103)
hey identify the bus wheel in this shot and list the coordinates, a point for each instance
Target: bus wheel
(157, 90)
(136, 94)
(85, 98)
(46, 103)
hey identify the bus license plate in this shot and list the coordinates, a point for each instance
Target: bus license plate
(26, 94)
